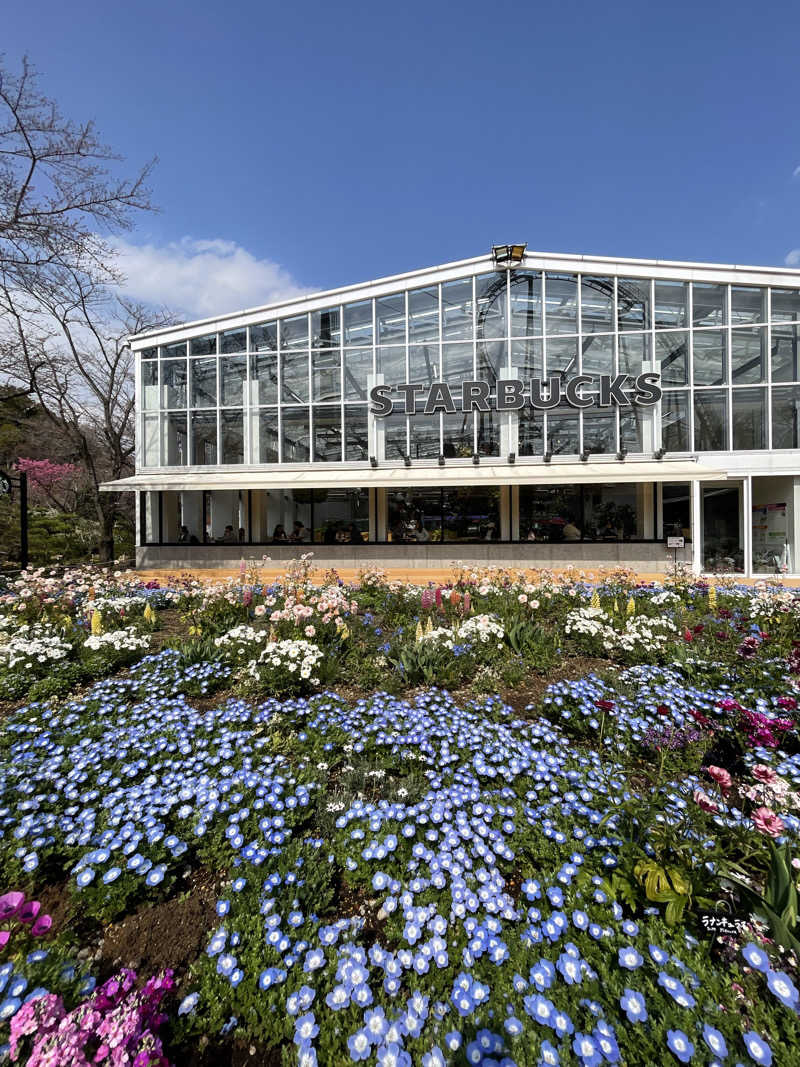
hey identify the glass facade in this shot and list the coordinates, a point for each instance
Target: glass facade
(295, 389)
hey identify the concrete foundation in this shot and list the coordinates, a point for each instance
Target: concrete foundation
(641, 556)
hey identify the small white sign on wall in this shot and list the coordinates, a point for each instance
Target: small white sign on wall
(675, 542)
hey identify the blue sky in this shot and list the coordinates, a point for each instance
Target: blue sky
(317, 144)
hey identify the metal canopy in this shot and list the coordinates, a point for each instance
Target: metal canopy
(342, 477)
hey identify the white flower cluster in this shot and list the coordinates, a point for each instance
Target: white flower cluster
(296, 657)
(116, 603)
(126, 640)
(241, 642)
(480, 630)
(30, 645)
(666, 596)
(641, 631)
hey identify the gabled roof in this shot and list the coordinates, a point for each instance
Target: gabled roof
(614, 265)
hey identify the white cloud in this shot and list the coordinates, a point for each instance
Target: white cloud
(201, 278)
(793, 258)
(796, 172)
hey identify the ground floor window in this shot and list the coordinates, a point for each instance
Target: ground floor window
(419, 515)
(582, 512)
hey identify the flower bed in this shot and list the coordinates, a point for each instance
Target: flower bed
(409, 875)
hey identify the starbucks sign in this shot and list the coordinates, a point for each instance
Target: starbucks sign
(513, 394)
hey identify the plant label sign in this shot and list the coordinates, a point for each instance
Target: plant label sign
(675, 542)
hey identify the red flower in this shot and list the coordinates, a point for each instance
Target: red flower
(699, 628)
(688, 635)
(663, 709)
(604, 705)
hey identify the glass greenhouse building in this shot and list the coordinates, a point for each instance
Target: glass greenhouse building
(522, 408)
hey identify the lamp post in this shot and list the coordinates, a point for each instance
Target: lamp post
(7, 489)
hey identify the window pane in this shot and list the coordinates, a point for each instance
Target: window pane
(424, 363)
(675, 422)
(545, 512)
(631, 423)
(711, 421)
(204, 382)
(531, 432)
(341, 516)
(328, 434)
(232, 434)
(562, 356)
(204, 437)
(263, 378)
(672, 352)
(264, 338)
(149, 385)
(562, 431)
(457, 365)
(392, 364)
(233, 340)
(150, 441)
(491, 357)
(356, 435)
(395, 443)
(785, 305)
(612, 513)
(709, 357)
(457, 322)
(265, 445)
(326, 331)
(471, 514)
(526, 358)
(294, 332)
(173, 383)
(749, 418)
(526, 303)
(199, 346)
(175, 350)
(488, 433)
(174, 444)
(423, 314)
(491, 295)
(598, 354)
(358, 323)
(748, 349)
(785, 364)
(424, 436)
(152, 353)
(326, 378)
(561, 303)
(748, 304)
(634, 350)
(708, 304)
(232, 373)
(458, 438)
(786, 417)
(600, 432)
(390, 312)
(633, 303)
(597, 304)
(294, 377)
(357, 369)
(296, 445)
(670, 304)
(414, 513)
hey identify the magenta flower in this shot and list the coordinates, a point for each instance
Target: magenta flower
(29, 910)
(4, 936)
(10, 903)
(41, 926)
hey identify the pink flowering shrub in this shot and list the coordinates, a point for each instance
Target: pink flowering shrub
(116, 1025)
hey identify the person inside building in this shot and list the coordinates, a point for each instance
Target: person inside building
(228, 536)
(299, 533)
(571, 531)
(183, 535)
(279, 534)
(329, 536)
(354, 535)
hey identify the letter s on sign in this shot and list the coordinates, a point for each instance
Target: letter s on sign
(648, 389)
(380, 400)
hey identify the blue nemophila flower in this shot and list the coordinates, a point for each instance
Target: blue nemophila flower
(513, 1025)
(629, 958)
(781, 986)
(756, 958)
(9, 1007)
(607, 1043)
(548, 1055)
(658, 954)
(679, 1045)
(305, 1028)
(587, 1050)
(757, 1048)
(358, 1045)
(715, 1041)
(188, 1004)
(85, 877)
(633, 1004)
(111, 875)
